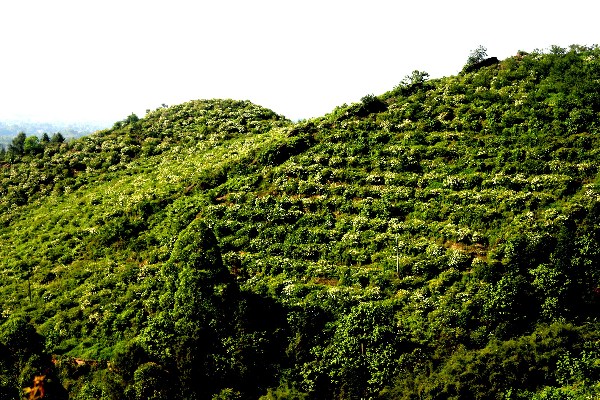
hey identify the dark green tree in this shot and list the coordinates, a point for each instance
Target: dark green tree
(132, 119)
(413, 82)
(127, 357)
(415, 78)
(364, 353)
(57, 138)
(151, 382)
(22, 357)
(17, 145)
(477, 55)
(186, 333)
(20, 338)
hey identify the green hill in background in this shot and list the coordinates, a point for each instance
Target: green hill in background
(438, 241)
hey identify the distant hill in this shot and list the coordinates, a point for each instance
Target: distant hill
(438, 241)
(8, 130)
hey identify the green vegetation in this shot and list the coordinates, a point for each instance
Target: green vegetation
(9, 130)
(439, 241)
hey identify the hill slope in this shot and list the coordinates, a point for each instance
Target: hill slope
(438, 241)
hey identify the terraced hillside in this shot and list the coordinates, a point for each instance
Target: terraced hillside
(438, 241)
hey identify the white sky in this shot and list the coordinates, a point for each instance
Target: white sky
(91, 60)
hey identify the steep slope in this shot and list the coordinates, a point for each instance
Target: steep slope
(439, 241)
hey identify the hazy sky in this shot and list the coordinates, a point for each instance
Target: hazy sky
(89, 60)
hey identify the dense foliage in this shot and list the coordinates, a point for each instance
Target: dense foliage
(439, 241)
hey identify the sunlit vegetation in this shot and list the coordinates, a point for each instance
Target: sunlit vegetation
(438, 241)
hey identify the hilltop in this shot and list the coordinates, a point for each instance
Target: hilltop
(438, 241)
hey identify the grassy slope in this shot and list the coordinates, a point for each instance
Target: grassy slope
(462, 183)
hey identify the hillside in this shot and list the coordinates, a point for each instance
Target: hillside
(438, 241)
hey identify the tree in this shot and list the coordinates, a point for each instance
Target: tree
(127, 357)
(57, 138)
(20, 338)
(188, 331)
(368, 104)
(416, 78)
(151, 382)
(412, 83)
(17, 144)
(365, 348)
(32, 145)
(477, 55)
(22, 359)
(132, 119)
